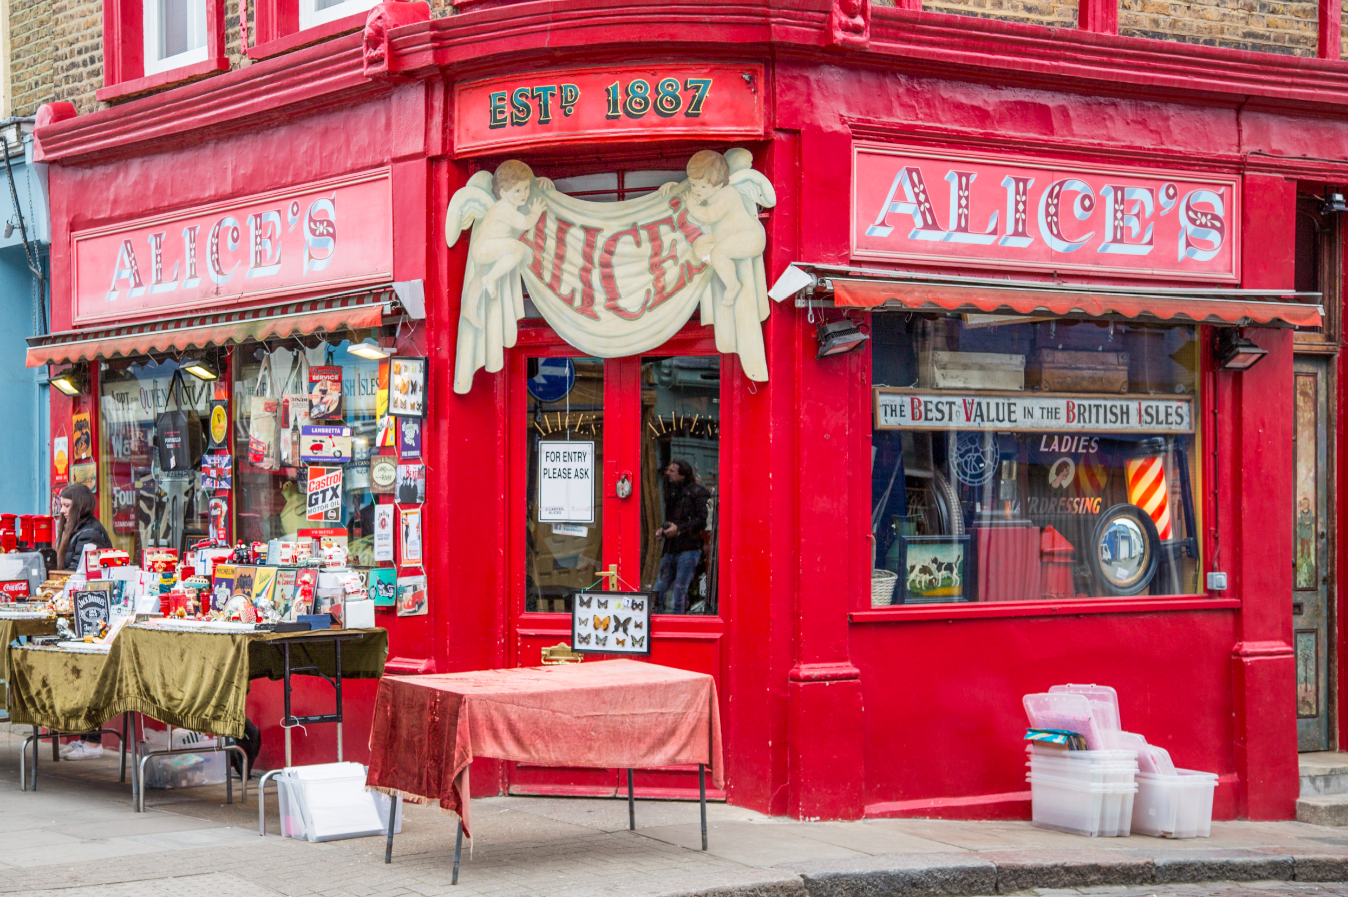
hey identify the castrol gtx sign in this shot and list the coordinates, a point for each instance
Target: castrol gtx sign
(970, 210)
(321, 236)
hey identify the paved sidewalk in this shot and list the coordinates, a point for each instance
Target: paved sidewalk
(77, 836)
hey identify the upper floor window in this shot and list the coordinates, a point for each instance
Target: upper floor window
(174, 33)
(319, 12)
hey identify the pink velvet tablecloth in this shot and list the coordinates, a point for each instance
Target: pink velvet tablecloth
(609, 714)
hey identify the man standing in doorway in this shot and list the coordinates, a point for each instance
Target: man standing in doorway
(685, 519)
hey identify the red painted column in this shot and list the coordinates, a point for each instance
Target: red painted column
(1330, 44)
(1258, 488)
(1100, 16)
(825, 756)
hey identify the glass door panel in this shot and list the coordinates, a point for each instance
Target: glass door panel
(680, 467)
(564, 537)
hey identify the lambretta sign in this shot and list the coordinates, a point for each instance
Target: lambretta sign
(321, 236)
(973, 210)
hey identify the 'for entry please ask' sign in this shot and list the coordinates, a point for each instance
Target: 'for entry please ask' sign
(566, 482)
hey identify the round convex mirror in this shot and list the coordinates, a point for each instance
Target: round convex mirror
(1125, 550)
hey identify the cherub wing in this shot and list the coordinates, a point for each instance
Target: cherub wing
(755, 188)
(468, 205)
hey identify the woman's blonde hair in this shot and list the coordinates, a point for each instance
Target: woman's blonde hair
(508, 174)
(710, 166)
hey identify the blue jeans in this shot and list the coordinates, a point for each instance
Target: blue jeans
(678, 568)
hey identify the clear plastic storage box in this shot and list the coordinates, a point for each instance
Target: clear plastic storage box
(1094, 810)
(1178, 806)
(329, 802)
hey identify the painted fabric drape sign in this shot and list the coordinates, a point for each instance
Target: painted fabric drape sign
(658, 102)
(904, 409)
(613, 278)
(961, 210)
(323, 236)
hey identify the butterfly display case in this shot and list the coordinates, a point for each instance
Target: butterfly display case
(611, 623)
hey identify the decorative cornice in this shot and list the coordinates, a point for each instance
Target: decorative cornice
(529, 35)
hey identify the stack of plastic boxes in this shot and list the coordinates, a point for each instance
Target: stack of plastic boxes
(1086, 792)
(1120, 784)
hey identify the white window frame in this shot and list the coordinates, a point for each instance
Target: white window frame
(151, 27)
(311, 15)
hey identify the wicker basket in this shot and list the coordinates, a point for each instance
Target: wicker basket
(882, 587)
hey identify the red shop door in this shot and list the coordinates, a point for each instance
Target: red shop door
(633, 416)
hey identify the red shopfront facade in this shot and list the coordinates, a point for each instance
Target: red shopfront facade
(967, 192)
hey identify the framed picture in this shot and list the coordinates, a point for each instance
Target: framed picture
(411, 537)
(611, 622)
(933, 570)
(407, 387)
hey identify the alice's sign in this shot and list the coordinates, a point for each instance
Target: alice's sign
(910, 409)
(613, 279)
(569, 106)
(914, 206)
(323, 236)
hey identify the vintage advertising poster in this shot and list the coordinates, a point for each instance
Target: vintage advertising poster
(325, 393)
(219, 424)
(383, 474)
(217, 469)
(409, 438)
(60, 460)
(566, 482)
(1305, 569)
(411, 596)
(84, 437)
(383, 533)
(325, 445)
(85, 473)
(410, 487)
(411, 536)
(381, 585)
(324, 494)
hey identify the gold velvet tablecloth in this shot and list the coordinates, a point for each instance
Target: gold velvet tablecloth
(12, 629)
(192, 680)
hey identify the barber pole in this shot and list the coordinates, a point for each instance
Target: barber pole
(1147, 489)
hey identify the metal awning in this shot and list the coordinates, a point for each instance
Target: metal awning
(349, 311)
(877, 290)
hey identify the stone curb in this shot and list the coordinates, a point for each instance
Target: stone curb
(1011, 871)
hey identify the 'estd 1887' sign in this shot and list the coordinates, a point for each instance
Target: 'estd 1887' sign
(567, 106)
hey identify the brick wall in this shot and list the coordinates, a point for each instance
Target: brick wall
(1268, 26)
(1054, 13)
(77, 51)
(30, 70)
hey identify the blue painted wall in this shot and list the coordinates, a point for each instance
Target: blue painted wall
(24, 439)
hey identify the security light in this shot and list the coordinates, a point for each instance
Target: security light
(1235, 352)
(369, 350)
(72, 382)
(839, 337)
(200, 368)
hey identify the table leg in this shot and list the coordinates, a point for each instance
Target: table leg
(229, 772)
(121, 776)
(458, 850)
(337, 646)
(135, 760)
(392, 818)
(631, 804)
(702, 797)
(286, 722)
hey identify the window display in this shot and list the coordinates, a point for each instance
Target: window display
(1020, 460)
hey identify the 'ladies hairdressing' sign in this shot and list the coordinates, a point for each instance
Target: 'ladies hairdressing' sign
(323, 236)
(915, 206)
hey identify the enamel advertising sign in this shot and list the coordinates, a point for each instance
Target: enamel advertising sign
(656, 102)
(325, 236)
(967, 210)
(907, 409)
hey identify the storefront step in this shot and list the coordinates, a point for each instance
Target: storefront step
(1323, 809)
(1324, 773)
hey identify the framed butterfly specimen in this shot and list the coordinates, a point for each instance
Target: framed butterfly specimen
(617, 623)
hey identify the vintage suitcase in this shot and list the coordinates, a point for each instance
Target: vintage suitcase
(1067, 370)
(971, 370)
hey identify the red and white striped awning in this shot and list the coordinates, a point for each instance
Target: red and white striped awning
(352, 311)
(877, 290)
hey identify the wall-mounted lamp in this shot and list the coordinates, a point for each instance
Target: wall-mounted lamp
(370, 350)
(1333, 203)
(1234, 352)
(839, 337)
(200, 368)
(72, 382)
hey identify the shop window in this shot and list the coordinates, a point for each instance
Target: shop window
(151, 44)
(320, 12)
(270, 496)
(1317, 266)
(148, 505)
(1021, 460)
(174, 34)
